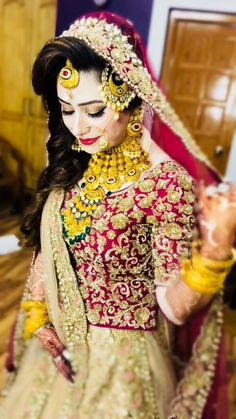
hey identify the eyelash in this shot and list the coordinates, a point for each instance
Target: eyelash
(97, 114)
(92, 115)
(66, 112)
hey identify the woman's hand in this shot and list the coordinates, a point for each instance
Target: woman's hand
(47, 334)
(217, 219)
(51, 343)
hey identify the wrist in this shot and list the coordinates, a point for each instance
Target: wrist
(219, 252)
(47, 325)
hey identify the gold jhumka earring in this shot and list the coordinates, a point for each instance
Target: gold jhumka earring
(76, 146)
(135, 127)
(102, 143)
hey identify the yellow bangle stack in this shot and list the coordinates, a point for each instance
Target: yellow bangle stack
(205, 275)
(36, 316)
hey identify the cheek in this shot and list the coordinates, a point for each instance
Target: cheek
(113, 126)
(68, 122)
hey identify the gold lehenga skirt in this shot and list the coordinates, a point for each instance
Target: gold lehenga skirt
(121, 374)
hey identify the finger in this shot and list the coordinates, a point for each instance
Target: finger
(232, 192)
(203, 197)
(68, 365)
(64, 368)
(200, 190)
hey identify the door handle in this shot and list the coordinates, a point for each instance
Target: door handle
(219, 150)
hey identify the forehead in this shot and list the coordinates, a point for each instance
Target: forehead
(87, 90)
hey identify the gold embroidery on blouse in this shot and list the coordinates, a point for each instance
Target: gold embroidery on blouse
(189, 197)
(186, 209)
(147, 201)
(119, 221)
(139, 238)
(147, 185)
(185, 181)
(173, 196)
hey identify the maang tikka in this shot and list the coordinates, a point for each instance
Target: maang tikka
(69, 78)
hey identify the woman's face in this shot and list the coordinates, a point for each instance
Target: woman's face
(87, 117)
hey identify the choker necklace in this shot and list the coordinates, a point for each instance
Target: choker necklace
(107, 171)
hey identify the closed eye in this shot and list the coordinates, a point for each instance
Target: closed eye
(66, 112)
(97, 114)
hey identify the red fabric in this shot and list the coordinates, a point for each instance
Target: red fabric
(9, 362)
(109, 278)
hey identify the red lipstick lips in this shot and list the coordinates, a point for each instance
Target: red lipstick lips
(88, 141)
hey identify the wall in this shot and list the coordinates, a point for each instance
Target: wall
(139, 12)
(156, 42)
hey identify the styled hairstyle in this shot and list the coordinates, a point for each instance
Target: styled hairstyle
(65, 166)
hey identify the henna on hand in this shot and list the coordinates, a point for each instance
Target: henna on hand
(64, 367)
(51, 343)
(217, 219)
(179, 301)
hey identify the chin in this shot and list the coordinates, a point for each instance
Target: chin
(91, 150)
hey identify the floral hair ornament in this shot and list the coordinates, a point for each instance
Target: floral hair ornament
(69, 76)
(108, 41)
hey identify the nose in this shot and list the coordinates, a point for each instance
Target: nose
(79, 126)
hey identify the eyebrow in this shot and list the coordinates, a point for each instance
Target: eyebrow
(81, 104)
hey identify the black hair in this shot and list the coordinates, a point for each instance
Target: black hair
(65, 166)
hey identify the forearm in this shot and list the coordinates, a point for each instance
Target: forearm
(35, 306)
(37, 280)
(178, 301)
(182, 298)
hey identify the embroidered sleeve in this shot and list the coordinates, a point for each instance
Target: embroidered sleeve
(172, 220)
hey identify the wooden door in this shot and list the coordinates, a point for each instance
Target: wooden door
(25, 26)
(44, 21)
(199, 78)
(14, 64)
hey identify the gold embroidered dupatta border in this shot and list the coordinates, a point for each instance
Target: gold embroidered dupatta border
(67, 312)
(193, 389)
(65, 304)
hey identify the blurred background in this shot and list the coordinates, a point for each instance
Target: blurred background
(192, 48)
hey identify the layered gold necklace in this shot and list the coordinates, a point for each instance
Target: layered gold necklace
(107, 171)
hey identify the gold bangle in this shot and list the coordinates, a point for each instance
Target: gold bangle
(33, 324)
(205, 284)
(200, 272)
(211, 263)
(36, 316)
(27, 305)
